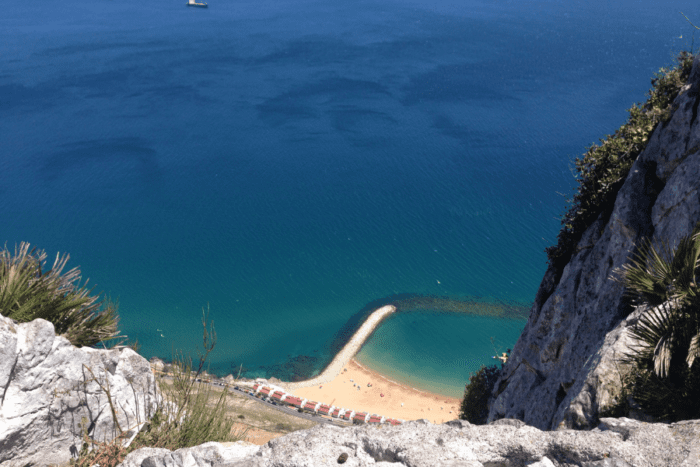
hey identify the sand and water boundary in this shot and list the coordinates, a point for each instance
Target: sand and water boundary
(346, 354)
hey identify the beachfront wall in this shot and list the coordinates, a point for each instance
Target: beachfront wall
(279, 396)
(376, 419)
(360, 417)
(311, 406)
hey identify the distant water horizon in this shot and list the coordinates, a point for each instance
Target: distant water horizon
(290, 165)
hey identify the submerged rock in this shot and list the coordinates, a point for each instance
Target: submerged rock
(51, 392)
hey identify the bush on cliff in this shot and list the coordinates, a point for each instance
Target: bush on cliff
(477, 392)
(193, 414)
(666, 383)
(28, 291)
(190, 414)
(602, 170)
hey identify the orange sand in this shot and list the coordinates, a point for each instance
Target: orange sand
(416, 404)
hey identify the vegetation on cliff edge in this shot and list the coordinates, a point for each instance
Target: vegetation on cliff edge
(185, 416)
(602, 170)
(474, 407)
(29, 291)
(665, 380)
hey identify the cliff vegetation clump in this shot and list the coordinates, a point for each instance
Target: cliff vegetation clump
(602, 170)
(29, 291)
(189, 413)
(665, 381)
(474, 407)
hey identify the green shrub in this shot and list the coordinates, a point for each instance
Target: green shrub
(666, 381)
(474, 406)
(28, 291)
(602, 170)
(669, 399)
(185, 417)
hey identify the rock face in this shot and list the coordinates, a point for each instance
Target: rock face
(554, 377)
(504, 443)
(49, 388)
(203, 455)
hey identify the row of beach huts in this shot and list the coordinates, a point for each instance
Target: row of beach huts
(278, 395)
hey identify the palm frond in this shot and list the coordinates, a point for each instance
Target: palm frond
(683, 265)
(693, 350)
(662, 356)
(654, 275)
(647, 276)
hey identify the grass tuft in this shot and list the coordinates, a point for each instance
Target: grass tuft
(29, 291)
(185, 416)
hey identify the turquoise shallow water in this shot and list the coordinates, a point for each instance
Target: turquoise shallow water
(442, 352)
(295, 165)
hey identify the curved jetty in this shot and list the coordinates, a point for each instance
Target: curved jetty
(349, 351)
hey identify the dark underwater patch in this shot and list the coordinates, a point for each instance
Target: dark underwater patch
(39, 97)
(120, 159)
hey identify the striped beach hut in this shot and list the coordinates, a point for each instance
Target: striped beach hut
(278, 396)
(293, 401)
(348, 414)
(360, 417)
(374, 418)
(393, 421)
(325, 409)
(265, 391)
(256, 387)
(335, 413)
(311, 406)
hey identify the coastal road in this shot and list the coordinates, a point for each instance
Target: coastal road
(332, 370)
(281, 408)
(289, 410)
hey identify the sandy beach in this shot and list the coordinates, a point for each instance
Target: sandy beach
(344, 384)
(416, 404)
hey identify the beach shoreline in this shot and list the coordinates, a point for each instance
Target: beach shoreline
(348, 384)
(384, 396)
(342, 358)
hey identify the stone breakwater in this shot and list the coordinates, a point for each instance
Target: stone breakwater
(346, 354)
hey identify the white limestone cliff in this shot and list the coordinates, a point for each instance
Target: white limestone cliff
(51, 390)
(561, 372)
(504, 443)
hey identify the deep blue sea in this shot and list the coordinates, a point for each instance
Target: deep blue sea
(294, 164)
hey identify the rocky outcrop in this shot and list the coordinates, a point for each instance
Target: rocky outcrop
(207, 454)
(50, 391)
(504, 443)
(553, 377)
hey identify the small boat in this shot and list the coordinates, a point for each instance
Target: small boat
(194, 3)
